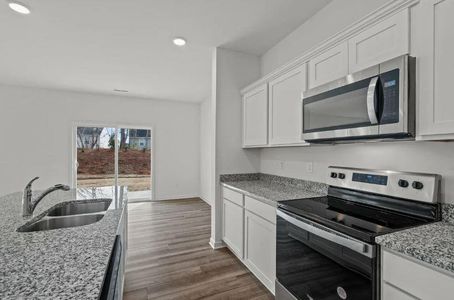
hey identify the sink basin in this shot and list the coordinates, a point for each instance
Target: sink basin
(77, 208)
(62, 222)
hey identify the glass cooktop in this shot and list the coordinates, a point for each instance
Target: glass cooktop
(355, 219)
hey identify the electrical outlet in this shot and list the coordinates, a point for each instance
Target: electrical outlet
(309, 167)
(282, 165)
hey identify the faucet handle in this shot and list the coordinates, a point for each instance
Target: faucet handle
(29, 185)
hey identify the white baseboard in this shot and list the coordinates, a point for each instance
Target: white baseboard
(216, 245)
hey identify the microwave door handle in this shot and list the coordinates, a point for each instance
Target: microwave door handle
(371, 100)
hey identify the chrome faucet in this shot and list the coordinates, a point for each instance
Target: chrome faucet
(28, 204)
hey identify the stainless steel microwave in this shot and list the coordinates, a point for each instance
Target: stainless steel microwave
(376, 103)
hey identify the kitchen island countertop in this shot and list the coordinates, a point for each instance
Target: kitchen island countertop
(67, 263)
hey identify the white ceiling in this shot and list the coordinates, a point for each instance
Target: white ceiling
(98, 46)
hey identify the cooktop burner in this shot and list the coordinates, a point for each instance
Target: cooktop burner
(361, 221)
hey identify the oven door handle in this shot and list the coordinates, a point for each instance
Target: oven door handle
(371, 101)
(329, 234)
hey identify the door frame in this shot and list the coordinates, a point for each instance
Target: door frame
(117, 126)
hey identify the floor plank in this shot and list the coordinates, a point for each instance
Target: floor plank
(169, 256)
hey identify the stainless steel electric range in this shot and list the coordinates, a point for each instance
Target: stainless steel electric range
(325, 247)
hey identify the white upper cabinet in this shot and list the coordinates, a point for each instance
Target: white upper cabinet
(434, 48)
(388, 39)
(255, 117)
(285, 107)
(328, 66)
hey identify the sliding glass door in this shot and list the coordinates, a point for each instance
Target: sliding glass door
(109, 156)
(134, 162)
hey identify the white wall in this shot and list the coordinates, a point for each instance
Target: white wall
(331, 19)
(36, 136)
(432, 157)
(205, 150)
(429, 157)
(232, 71)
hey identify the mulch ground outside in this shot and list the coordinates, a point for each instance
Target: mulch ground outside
(101, 162)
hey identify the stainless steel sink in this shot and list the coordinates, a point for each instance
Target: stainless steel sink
(61, 222)
(77, 208)
(70, 214)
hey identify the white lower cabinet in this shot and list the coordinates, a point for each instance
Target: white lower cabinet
(391, 292)
(260, 248)
(249, 230)
(405, 278)
(232, 229)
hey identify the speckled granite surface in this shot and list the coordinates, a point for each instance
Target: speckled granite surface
(447, 212)
(271, 188)
(433, 243)
(65, 263)
(239, 177)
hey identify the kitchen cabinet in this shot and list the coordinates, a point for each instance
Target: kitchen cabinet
(122, 232)
(249, 230)
(434, 48)
(232, 223)
(255, 117)
(260, 248)
(285, 107)
(392, 293)
(386, 40)
(405, 278)
(328, 66)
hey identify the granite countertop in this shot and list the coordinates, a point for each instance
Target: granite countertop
(67, 263)
(432, 243)
(272, 189)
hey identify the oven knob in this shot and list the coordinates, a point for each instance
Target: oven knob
(333, 175)
(417, 185)
(403, 183)
(341, 176)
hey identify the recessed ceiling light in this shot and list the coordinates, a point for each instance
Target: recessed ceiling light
(19, 7)
(120, 91)
(179, 41)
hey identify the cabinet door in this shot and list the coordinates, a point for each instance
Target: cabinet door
(260, 248)
(255, 117)
(122, 231)
(232, 235)
(285, 112)
(434, 48)
(383, 41)
(414, 278)
(328, 66)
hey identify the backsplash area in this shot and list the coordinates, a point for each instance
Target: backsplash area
(310, 163)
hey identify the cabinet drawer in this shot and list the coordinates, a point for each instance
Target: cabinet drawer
(392, 293)
(233, 196)
(416, 279)
(259, 208)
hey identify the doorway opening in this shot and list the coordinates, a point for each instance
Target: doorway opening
(114, 156)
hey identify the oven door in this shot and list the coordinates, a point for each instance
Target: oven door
(342, 109)
(314, 262)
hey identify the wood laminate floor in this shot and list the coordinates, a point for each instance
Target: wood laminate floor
(169, 256)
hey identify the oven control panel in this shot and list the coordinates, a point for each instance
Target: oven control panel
(408, 185)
